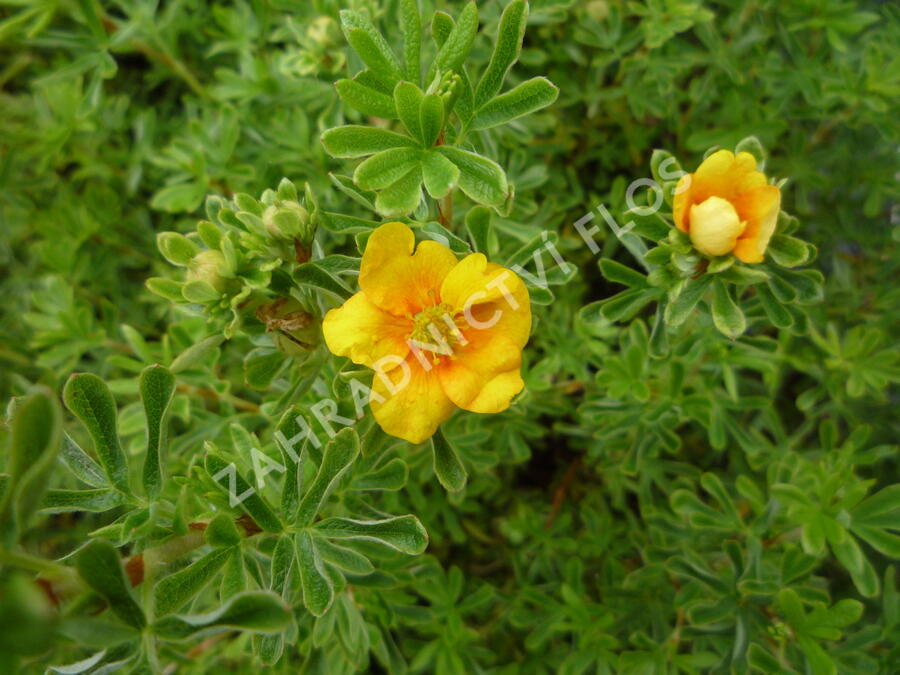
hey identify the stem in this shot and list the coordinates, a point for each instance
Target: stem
(29, 562)
(213, 395)
(445, 211)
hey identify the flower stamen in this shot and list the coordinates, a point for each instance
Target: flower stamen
(440, 324)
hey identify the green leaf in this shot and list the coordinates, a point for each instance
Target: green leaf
(232, 483)
(777, 313)
(318, 591)
(391, 476)
(506, 50)
(480, 178)
(752, 145)
(411, 25)
(855, 562)
(261, 366)
(408, 102)
(371, 46)
(270, 647)
(80, 463)
(312, 275)
(402, 197)
(386, 168)
(440, 175)
(659, 336)
(36, 424)
(200, 292)
(743, 275)
(879, 539)
(442, 25)
(222, 532)
(431, 119)
(679, 310)
(165, 288)
(196, 352)
(174, 591)
(99, 565)
(337, 458)
(524, 99)
(157, 385)
(89, 399)
(252, 611)
(455, 49)
(96, 500)
(282, 562)
(447, 466)
(79, 667)
(184, 197)
(403, 533)
(233, 579)
(445, 236)
(806, 284)
(881, 503)
(344, 558)
(480, 228)
(763, 661)
(788, 251)
(366, 100)
(819, 661)
(357, 141)
(620, 274)
(176, 248)
(727, 316)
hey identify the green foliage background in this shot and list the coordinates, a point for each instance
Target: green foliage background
(732, 507)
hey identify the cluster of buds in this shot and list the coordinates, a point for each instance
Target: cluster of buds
(321, 49)
(231, 258)
(448, 86)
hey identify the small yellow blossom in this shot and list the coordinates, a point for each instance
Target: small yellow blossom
(727, 206)
(440, 333)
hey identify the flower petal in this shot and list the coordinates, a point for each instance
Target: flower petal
(473, 280)
(474, 365)
(498, 393)
(759, 207)
(364, 332)
(395, 280)
(682, 201)
(490, 296)
(414, 405)
(726, 175)
(722, 174)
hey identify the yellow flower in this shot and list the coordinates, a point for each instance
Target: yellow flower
(440, 333)
(727, 206)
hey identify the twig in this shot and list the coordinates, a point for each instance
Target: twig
(560, 495)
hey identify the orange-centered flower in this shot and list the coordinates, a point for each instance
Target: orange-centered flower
(727, 206)
(439, 333)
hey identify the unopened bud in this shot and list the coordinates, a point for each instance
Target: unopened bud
(287, 220)
(324, 32)
(207, 266)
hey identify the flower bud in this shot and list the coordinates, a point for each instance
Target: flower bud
(324, 32)
(207, 266)
(598, 10)
(287, 220)
(727, 206)
(715, 226)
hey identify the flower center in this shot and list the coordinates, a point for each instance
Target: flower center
(715, 226)
(436, 329)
